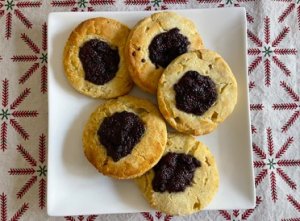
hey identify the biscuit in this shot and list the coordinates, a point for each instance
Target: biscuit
(211, 68)
(112, 35)
(145, 153)
(144, 72)
(196, 196)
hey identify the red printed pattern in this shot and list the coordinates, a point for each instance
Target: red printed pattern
(81, 218)
(291, 7)
(240, 215)
(8, 8)
(271, 163)
(4, 208)
(9, 114)
(229, 3)
(293, 106)
(156, 216)
(296, 205)
(81, 5)
(37, 171)
(156, 4)
(39, 59)
(268, 51)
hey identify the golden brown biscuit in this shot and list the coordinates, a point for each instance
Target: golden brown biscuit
(115, 35)
(143, 71)
(145, 153)
(206, 63)
(202, 189)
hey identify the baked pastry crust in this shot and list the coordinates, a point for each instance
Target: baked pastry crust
(145, 154)
(207, 63)
(195, 197)
(110, 31)
(145, 74)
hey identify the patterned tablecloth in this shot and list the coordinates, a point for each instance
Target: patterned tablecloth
(274, 72)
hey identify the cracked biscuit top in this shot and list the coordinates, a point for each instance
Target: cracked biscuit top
(124, 137)
(196, 92)
(155, 42)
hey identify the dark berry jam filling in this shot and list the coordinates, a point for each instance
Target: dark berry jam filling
(165, 47)
(100, 62)
(195, 93)
(174, 172)
(119, 134)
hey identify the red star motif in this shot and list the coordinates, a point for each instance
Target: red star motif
(267, 51)
(10, 113)
(272, 163)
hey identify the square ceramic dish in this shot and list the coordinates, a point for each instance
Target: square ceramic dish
(75, 187)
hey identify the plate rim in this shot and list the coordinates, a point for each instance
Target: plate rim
(242, 9)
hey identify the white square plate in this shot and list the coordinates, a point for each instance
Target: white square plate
(75, 187)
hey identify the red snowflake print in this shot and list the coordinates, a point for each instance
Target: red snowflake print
(37, 171)
(81, 218)
(3, 209)
(296, 205)
(157, 216)
(229, 3)
(155, 4)
(237, 215)
(268, 52)
(272, 164)
(10, 113)
(8, 8)
(291, 106)
(81, 5)
(292, 6)
(38, 58)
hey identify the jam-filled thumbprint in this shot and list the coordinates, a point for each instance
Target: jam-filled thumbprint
(100, 61)
(124, 137)
(165, 47)
(185, 180)
(174, 172)
(195, 93)
(119, 133)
